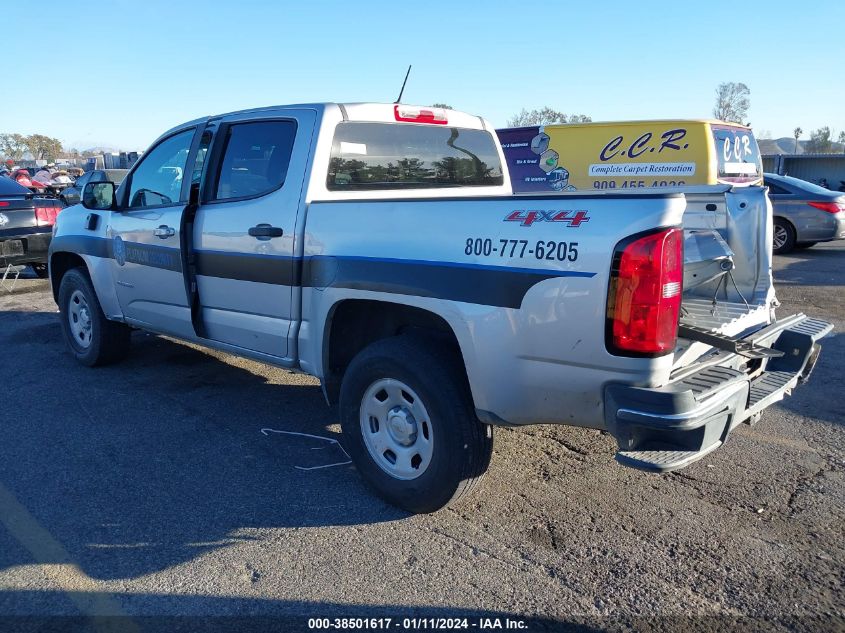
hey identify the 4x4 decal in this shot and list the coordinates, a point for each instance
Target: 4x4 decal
(527, 218)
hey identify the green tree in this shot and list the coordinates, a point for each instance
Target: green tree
(732, 102)
(43, 147)
(13, 146)
(545, 116)
(796, 133)
(820, 141)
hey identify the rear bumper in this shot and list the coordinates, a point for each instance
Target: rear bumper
(831, 227)
(35, 247)
(667, 428)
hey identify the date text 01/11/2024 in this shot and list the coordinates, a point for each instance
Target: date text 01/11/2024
(550, 250)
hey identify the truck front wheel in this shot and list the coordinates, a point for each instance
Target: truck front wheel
(92, 338)
(409, 424)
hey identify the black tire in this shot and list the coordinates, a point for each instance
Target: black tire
(783, 239)
(107, 341)
(462, 445)
(40, 270)
(805, 244)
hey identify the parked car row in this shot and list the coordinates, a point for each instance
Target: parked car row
(65, 185)
(26, 226)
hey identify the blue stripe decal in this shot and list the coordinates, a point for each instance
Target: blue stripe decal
(481, 284)
(441, 264)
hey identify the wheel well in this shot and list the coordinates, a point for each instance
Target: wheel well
(60, 263)
(354, 324)
(783, 220)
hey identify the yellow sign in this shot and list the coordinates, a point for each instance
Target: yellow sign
(627, 155)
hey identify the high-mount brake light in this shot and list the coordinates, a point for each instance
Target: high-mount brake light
(435, 116)
(644, 299)
(830, 207)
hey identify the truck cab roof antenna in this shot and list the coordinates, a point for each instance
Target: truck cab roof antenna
(399, 98)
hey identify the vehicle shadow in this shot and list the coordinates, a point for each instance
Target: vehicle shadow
(811, 267)
(820, 402)
(150, 463)
(23, 611)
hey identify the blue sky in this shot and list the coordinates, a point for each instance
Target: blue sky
(120, 72)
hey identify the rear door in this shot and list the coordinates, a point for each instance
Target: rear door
(244, 229)
(145, 241)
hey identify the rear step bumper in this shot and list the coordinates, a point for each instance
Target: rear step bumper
(667, 428)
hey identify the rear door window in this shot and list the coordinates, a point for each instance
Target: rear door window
(255, 159)
(369, 156)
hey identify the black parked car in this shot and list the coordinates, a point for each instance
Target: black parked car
(73, 195)
(26, 226)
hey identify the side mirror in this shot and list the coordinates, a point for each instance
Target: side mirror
(98, 196)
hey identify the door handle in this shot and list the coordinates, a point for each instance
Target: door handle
(164, 231)
(265, 231)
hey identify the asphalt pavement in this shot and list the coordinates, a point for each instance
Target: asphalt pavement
(175, 484)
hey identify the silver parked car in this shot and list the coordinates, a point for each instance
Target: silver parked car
(804, 213)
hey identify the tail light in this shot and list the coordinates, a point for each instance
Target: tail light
(435, 116)
(644, 298)
(46, 216)
(830, 207)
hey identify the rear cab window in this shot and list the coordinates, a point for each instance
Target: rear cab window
(368, 156)
(738, 159)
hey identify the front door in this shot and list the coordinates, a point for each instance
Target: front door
(244, 229)
(144, 239)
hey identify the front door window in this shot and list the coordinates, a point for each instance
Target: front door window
(157, 181)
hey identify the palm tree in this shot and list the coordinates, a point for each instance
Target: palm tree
(796, 133)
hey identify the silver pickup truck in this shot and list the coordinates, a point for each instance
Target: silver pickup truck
(379, 248)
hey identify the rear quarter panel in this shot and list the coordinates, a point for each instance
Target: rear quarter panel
(531, 330)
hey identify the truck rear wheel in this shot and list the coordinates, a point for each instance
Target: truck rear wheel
(92, 338)
(409, 424)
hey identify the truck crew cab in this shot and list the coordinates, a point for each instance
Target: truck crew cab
(379, 248)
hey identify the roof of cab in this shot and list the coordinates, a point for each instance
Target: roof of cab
(375, 112)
